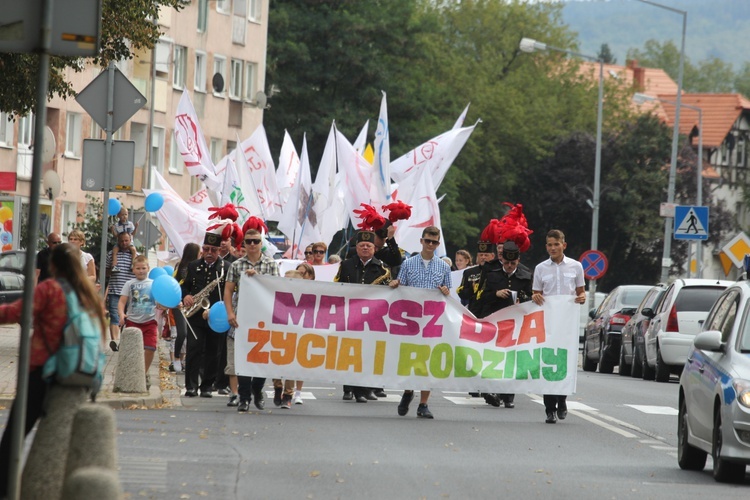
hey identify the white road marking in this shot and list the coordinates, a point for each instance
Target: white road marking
(303, 394)
(601, 424)
(655, 410)
(465, 400)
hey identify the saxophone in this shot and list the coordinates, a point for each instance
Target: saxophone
(201, 298)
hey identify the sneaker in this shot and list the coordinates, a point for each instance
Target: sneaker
(297, 398)
(423, 411)
(113, 345)
(171, 367)
(115, 269)
(148, 382)
(403, 406)
(234, 400)
(380, 393)
(492, 399)
(277, 396)
(224, 391)
(286, 402)
(177, 365)
(244, 406)
(551, 419)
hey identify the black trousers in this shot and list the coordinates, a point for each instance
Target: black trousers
(36, 394)
(554, 403)
(249, 386)
(202, 358)
(222, 380)
(181, 325)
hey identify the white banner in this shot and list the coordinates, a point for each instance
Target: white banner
(403, 338)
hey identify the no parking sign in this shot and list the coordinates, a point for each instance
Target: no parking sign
(594, 264)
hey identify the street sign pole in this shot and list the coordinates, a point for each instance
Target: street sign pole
(24, 349)
(107, 176)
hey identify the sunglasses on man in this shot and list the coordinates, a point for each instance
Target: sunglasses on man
(431, 242)
(252, 241)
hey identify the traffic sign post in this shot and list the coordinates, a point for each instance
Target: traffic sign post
(691, 223)
(594, 264)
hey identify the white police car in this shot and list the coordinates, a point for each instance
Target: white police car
(714, 414)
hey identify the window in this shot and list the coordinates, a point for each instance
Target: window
(202, 16)
(231, 146)
(176, 165)
(96, 131)
(163, 50)
(254, 10)
(215, 148)
(239, 22)
(6, 130)
(157, 150)
(224, 6)
(69, 216)
(199, 83)
(180, 65)
(73, 135)
(251, 71)
(235, 83)
(741, 151)
(25, 155)
(220, 68)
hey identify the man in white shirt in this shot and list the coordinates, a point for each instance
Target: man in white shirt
(558, 275)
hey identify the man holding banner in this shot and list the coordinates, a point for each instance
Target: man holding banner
(424, 270)
(558, 275)
(364, 269)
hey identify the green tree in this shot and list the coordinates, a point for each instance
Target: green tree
(126, 29)
(605, 54)
(742, 80)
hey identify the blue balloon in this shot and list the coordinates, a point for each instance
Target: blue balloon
(156, 272)
(169, 270)
(166, 291)
(114, 206)
(154, 202)
(217, 317)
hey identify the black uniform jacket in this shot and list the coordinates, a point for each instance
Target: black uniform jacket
(199, 275)
(493, 279)
(353, 271)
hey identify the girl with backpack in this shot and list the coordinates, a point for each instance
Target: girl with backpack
(49, 316)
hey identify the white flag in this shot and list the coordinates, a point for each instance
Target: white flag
(361, 142)
(418, 192)
(182, 222)
(201, 200)
(192, 145)
(357, 175)
(263, 173)
(329, 199)
(460, 122)
(381, 185)
(437, 155)
(299, 222)
(288, 171)
(248, 195)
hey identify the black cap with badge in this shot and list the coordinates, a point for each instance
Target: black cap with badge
(366, 236)
(511, 251)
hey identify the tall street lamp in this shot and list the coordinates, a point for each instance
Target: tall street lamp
(530, 45)
(639, 98)
(666, 260)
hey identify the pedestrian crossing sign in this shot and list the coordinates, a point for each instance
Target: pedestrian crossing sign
(691, 223)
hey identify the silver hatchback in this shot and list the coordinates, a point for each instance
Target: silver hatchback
(714, 399)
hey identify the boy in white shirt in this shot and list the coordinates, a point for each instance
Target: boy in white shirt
(137, 298)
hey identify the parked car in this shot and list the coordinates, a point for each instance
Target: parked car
(631, 345)
(601, 343)
(11, 286)
(714, 399)
(675, 322)
(598, 299)
(13, 260)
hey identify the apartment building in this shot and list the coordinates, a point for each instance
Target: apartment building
(214, 49)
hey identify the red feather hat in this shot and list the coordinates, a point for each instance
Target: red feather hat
(371, 219)
(225, 227)
(514, 227)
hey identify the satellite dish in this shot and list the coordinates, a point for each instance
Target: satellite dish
(261, 100)
(51, 184)
(50, 146)
(217, 82)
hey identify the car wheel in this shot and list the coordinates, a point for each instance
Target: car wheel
(636, 369)
(605, 364)
(648, 372)
(623, 366)
(662, 369)
(724, 472)
(688, 457)
(587, 364)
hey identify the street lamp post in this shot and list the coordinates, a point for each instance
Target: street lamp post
(530, 45)
(666, 260)
(639, 98)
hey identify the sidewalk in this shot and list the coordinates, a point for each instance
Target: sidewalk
(163, 393)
